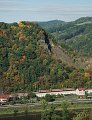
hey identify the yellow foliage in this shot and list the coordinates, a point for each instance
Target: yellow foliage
(13, 27)
(86, 74)
(20, 24)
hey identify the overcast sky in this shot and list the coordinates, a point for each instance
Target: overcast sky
(44, 10)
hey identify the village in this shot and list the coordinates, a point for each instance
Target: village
(14, 98)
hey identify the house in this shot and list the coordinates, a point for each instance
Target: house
(63, 91)
(4, 98)
(80, 91)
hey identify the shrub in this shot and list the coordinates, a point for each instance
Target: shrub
(49, 98)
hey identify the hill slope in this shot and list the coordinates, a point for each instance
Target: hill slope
(76, 35)
(27, 60)
(51, 25)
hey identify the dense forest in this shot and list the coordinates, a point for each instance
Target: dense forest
(76, 35)
(27, 63)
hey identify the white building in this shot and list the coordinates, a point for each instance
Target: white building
(80, 91)
(67, 91)
(89, 90)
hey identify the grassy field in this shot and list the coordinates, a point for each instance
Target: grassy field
(37, 108)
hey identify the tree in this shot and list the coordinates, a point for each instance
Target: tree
(48, 114)
(81, 116)
(65, 112)
(52, 114)
(44, 114)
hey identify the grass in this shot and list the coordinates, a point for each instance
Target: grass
(37, 108)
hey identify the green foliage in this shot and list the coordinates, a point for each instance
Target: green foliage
(76, 35)
(49, 98)
(26, 62)
(48, 113)
(22, 53)
(51, 25)
(44, 104)
(15, 112)
(52, 113)
(44, 114)
(65, 112)
(81, 116)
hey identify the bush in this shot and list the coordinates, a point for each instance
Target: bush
(49, 98)
(31, 95)
(15, 112)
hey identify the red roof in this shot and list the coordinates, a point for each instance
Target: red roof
(2, 96)
(81, 89)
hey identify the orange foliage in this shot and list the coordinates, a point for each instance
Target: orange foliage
(2, 32)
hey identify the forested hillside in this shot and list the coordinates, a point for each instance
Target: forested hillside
(27, 61)
(76, 35)
(51, 26)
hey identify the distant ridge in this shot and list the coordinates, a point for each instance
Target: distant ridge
(49, 25)
(77, 35)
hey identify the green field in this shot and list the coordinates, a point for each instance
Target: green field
(37, 108)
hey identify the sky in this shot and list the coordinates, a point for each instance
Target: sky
(44, 10)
